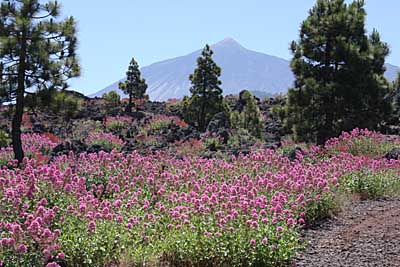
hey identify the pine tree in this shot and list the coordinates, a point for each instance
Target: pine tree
(134, 86)
(206, 99)
(36, 51)
(339, 73)
(252, 116)
(249, 117)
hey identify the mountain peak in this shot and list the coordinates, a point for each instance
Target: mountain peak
(228, 42)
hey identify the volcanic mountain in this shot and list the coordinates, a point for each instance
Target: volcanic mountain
(241, 69)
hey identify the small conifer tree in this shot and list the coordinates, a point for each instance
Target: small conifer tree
(134, 86)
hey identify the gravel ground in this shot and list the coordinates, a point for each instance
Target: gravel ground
(366, 233)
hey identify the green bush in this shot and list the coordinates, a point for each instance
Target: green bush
(241, 137)
(65, 104)
(323, 208)
(4, 139)
(250, 118)
(373, 185)
(362, 143)
(279, 112)
(106, 144)
(116, 125)
(112, 98)
(82, 128)
(212, 141)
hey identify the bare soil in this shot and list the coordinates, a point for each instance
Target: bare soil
(365, 233)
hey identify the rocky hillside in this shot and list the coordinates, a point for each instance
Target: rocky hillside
(154, 126)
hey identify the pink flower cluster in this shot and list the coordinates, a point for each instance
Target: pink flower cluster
(161, 120)
(352, 136)
(108, 140)
(35, 145)
(38, 142)
(362, 142)
(190, 147)
(156, 196)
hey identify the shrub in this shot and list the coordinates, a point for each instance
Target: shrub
(362, 142)
(160, 122)
(148, 140)
(279, 112)
(373, 184)
(112, 98)
(241, 137)
(82, 128)
(250, 117)
(174, 105)
(66, 105)
(106, 140)
(212, 141)
(4, 139)
(115, 124)
(191, 147)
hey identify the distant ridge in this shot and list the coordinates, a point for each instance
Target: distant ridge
(241, 69)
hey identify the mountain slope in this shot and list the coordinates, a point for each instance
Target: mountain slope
(391, 72)
(241, 69)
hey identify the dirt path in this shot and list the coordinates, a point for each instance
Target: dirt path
(365, 234)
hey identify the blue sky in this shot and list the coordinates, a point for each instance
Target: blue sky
(111, 32)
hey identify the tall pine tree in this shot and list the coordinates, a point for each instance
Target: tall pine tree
(206, 99)
(36, 52)
(339, 73)
(134, 86)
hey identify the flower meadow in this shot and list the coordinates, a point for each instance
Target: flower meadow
(115, 209)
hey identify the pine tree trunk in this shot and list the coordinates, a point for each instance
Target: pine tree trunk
(16, 126)
(129, 107)
(19, 105)
(202, 121)
(326, 131)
